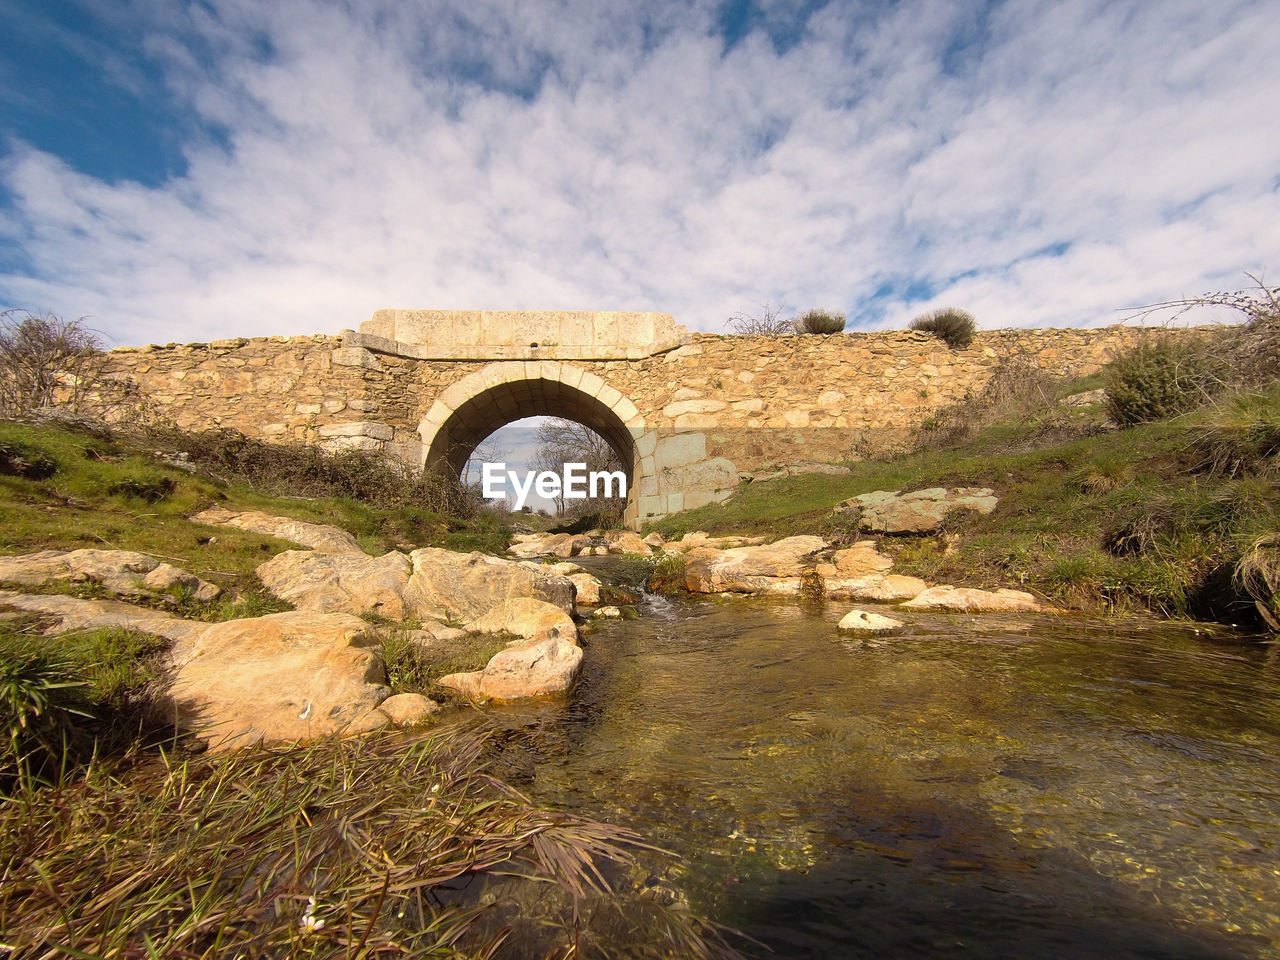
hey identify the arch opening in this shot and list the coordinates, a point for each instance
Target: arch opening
(481, 404)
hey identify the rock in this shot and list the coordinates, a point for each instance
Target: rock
(318, 536)
(588, 588)
(970, 600)
(608, 613)
(283, 677)
(460, 587)
(655, 540)
(550, 545)
(434, 632)
(769, 568)
(120, 571)
(1085, 399)
(534, 668)
(72, 613)
(408, 709)
(626, 541)
(877, 588)
(341, 582)
(691, 541)
(528, 618)
(860, 621)
(370, 722)
(922, 511)
(860, 560)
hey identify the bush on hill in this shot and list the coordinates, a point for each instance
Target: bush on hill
(820, 321)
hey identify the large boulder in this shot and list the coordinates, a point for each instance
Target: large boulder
(318, 536)
(528, 618)
(457, 586)
(529, 545)
(921, 511)
(123, 572)
(408, 709)
(774, 568)
(533, 668)
(341, 582)
(970, 600)
(283, 677)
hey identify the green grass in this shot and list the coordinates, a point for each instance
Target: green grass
(1129, 519)
(104, 493)
(414, 667)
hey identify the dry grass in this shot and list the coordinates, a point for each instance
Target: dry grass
(357, 848)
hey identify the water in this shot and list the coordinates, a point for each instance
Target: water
(992, 787)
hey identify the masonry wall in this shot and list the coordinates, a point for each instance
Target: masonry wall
(761, 401)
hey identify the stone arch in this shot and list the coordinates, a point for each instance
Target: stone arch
(500, 393)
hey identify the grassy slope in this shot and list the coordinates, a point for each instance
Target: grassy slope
(1061, 502)
(106, 495)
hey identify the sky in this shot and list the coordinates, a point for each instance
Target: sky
(182, 171)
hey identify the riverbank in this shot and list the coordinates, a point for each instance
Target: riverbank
(1156, 517)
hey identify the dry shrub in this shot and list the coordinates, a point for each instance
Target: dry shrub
(770, 323)
(1257, 573)
(1018, 390)
(953, 326)
(44, 360)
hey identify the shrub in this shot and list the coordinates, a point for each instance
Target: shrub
(769, 324)
(45, 359)
(297, 469)
(1257, 573)
(953, 326)
(820, 321)
(1160, 378)
(1240, 437)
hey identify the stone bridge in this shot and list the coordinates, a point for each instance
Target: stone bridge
(688, 414)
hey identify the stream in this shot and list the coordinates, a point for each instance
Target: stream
(986, 786)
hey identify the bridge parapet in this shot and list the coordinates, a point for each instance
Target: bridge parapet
(518, 334)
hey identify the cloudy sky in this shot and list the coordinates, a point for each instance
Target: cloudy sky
(183, 171)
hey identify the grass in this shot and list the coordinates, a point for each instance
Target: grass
(361, 848)
(1134, 519)
(414, 667)
(98, 491)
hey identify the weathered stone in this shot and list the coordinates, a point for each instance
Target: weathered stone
(409, 709)
(358, 428)
(124, 572)
(534, 668)
(456, 586)
(876, 588)
(970, 600)
(318, 536)
(921, 511)
(769, 568)
(861, 621)
(72, 613)
(608, 613)
(527, 618)
(860, 560)
(283, 677)
(625, 541)
(342, 582)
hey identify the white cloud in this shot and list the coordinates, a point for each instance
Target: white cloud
(568, 155)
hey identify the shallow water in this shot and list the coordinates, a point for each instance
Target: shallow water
(988, 786)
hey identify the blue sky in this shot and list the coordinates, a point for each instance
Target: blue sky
(184, 171)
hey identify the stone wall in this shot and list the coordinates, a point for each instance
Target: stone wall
(760, 400)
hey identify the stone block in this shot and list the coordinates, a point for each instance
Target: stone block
(358, 428)
(692, 406)
(646, 443)
(307, 409)
(696, 421)
(273, 429)
(652, 506)
(356, 357)
(681, 449)
(351, 443)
